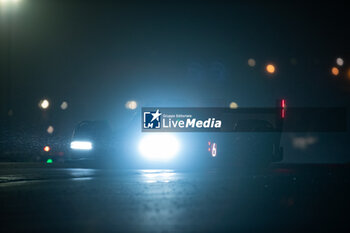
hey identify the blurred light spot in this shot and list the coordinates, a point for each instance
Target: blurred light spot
(10, 112)
(132, 104)
(335, 71)
(49, 161)
(233, 105)
(44, 104)
(47, 148)
(64, 105)
(303, 142)
(50, 129)
(340, 61)
(251, 62)
(348, 73)
(270, 68)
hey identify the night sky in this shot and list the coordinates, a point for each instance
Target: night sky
(96, 55)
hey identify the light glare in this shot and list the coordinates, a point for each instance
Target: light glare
(81, 145)
(44, 104)
(47, 148)
(9, 1)
(159, 147)
(132, 104)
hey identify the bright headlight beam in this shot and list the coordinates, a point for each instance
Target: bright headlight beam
(81, 145)
(159, 146)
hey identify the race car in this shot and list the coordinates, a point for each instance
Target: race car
(254, 142)
(91, 140)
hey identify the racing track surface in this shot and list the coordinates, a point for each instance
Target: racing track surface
(284, 198)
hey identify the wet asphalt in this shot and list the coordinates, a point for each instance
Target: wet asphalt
(283, 198)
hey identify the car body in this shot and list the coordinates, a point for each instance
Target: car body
(253, 143)
(91, 140)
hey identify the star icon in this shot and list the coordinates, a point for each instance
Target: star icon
(156, 115)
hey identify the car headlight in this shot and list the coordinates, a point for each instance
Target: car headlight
(81, 145)
(159, 146)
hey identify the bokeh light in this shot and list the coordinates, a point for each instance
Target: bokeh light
(47, 148)
(251, 62)
(340, 61)
(335, 71)
(233, 105)
(132, 104)
(271, 69)
(50, 129)
(64, 105)
(44, 104)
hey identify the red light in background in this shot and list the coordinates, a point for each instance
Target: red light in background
(283, 103)
(47, 148)
(283, 110)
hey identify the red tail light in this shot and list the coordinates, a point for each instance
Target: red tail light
(47, 148)
(283, 108)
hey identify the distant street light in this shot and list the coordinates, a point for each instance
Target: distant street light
(271, 69)
(50, 129)
(251, 62)
(335, 71)
(44, 104)
(340, 61)
(132, 104)
(233, 105)
(64, 105)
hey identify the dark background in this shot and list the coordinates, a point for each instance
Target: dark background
(96, 55)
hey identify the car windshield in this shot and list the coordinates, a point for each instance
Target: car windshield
(174, 116)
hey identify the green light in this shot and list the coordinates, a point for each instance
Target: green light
(49, 161)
